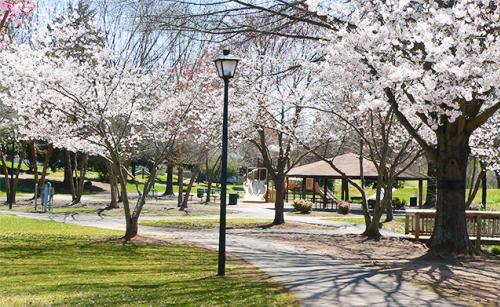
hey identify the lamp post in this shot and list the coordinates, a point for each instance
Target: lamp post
(13, 137)
(226, 68)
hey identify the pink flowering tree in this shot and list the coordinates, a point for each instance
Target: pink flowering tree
(436, 64)
(13, 11)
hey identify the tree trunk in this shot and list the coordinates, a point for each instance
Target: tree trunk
(132, 228)
(180, 179)
(68, 174)
(169, 189)
(16, 178)
(430, 198)
(34, 160)
(476, 184)
(80, 184)
(279, 203)
(120, 193)
(373, 229)
(450, 231)
(131, 221)
(388, 205)
(113, 187)
(194, 175)
(209, 190)
(497, 173)
(5, 171)
(68, 169)
(45, 167)
(114, 195)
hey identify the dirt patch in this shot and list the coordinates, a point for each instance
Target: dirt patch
(471, 281)
(151, 208)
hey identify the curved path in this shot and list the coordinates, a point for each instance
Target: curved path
(316, 279)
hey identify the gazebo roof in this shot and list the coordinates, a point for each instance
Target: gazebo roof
(348, 164)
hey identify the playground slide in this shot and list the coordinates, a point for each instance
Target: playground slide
(329, 193)
(255, 190)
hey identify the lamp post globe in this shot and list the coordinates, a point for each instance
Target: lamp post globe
(226, 65)
(226, 69)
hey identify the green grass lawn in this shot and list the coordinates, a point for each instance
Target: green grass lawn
(46, 263)
(200, 223)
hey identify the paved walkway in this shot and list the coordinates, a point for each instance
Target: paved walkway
(316, 279)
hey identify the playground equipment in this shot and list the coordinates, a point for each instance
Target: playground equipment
(255, 185)
(329, 194)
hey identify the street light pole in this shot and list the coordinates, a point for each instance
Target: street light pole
(223, 181)
(226, 68)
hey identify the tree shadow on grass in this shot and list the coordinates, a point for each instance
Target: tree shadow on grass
(63, 271)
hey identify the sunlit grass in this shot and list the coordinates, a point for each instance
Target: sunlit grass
(47, 263)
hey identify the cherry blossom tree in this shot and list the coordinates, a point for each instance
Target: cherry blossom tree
(270, 108)
(369, 129)
(436, 64)
(95, 107)
(485, 147)
(13, 12)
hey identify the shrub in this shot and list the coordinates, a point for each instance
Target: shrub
(344, 207)
(495, 250)
(303, 206)
(398, 204)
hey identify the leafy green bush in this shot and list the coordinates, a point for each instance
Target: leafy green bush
(303, 206)
(495, 250)
(344, 207)
(398, 204)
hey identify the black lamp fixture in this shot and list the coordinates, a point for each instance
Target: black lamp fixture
(226, 68)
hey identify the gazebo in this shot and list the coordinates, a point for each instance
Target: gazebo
(349, 164)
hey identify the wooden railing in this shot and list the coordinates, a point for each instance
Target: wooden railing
(482, 226)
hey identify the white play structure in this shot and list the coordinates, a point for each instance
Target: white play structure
(255, 186)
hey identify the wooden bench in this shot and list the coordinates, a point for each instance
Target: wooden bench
(483, 226)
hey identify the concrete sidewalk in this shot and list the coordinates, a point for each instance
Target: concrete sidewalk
(316, 279)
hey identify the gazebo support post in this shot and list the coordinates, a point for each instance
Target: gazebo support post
(314, 189)
(420, 192)
(325, 189)
(267, 185)
(342, 189)
(304, 188)
(286, 189)
(345, 185)
(484, 188)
